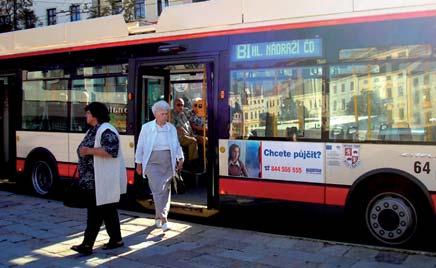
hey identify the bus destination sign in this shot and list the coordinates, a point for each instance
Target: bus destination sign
(291, 49)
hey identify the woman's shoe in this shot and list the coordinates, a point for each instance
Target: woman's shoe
(82, 249)
(158, 223)
(165, 227)
(112, 245)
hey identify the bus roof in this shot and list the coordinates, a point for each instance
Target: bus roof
(210, 18)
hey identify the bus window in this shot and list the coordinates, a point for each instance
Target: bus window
(109, 90)
(375, 98)
(267, 102)
(45, 105)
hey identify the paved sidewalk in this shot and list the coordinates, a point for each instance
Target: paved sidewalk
(39, 233)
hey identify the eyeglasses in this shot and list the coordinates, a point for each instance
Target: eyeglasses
(179, 104)
(199, 106)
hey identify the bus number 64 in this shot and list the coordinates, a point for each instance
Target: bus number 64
(420, 167)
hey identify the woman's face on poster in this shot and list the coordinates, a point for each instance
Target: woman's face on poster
(235, 153)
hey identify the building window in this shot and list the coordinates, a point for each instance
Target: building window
(139, 9)
(401, 113)
(161, 4)
(29, 19)
(51, 16)
(5, 19)
(389, 92)
(417, 117)
(426, 79)
(117, 7)
(400, 91)
(417, 96)
(74, 12)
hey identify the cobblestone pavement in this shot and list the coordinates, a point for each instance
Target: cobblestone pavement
(37, 232)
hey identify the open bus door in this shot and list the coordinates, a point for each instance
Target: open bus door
(189, 82)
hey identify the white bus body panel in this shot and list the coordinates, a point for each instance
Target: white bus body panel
(63, 146)
(56, 143)
(127, 146)
(332, 163)
(369, 157)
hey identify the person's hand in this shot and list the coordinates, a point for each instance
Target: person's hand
(179, 165)
(84, 151)
(139, 169)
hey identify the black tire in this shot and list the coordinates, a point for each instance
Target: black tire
(394, 218)
(43, 177)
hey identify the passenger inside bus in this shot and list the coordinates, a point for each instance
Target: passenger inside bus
(184, 130)
(197, 119)
(292, 133)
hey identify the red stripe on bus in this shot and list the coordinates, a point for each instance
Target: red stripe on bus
(336, 196)
(63, 170)
(297, 25)
(72, 171)
(274, 190)
(433, 198)
(130, 176)
(69, 170)
(20, 165)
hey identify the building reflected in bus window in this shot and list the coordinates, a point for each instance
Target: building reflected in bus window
(269, 102)
(111, 91)
(48, 95)
(44, 103)
(389, 101)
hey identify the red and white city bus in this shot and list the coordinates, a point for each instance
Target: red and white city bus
(355, 80)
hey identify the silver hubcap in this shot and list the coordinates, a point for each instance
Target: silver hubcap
(391, 218)
(42, 177)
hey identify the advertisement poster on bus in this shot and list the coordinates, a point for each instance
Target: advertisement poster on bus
(339, 155)
(286, 161)
(241, 159)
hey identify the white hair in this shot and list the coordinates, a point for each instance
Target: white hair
(194, 100)
(160, 105)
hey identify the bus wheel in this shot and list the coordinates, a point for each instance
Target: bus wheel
(391, 218)
(43, 177)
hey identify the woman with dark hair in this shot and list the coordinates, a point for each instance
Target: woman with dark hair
(102, 172)
(236, 166)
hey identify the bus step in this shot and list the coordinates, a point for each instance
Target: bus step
(182, 208)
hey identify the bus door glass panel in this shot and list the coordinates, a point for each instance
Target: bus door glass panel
(390, 101)
(153, 90)
(276, 103)
(189, 83)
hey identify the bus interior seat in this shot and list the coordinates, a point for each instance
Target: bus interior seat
(337, 133)
(352, 132)
(395, 133)
(431, 133)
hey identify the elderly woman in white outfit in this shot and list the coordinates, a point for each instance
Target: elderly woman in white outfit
(159, 156)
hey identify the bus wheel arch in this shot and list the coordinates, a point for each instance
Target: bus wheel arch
(41, 172)
(393, 207)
